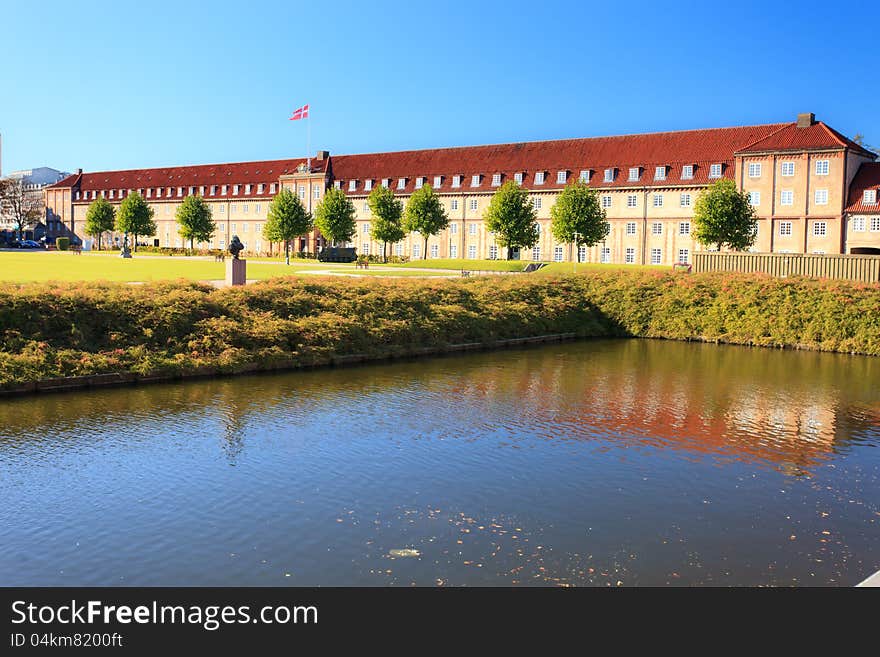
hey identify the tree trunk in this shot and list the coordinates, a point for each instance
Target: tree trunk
(287, 251)
(425, 256)
(135, 242)
(384, 252)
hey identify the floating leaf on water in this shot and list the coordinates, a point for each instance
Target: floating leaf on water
(405, 552)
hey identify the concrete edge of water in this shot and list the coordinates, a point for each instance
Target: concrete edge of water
(75, 383)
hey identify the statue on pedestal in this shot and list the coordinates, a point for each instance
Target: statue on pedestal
(235, 247)
(126, 252)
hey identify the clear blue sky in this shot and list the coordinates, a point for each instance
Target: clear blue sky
(105, 85)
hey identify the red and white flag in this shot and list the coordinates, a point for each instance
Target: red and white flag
(301, 113)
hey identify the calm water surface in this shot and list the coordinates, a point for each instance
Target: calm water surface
(598, 463)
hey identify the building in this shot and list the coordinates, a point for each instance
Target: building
(801, 177)
(35, 181)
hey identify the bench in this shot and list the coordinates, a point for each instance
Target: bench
(465, 273)
(362, 264)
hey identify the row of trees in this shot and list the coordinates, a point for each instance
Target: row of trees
(723, 216)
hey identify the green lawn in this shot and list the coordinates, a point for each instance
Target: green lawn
(519, 265)
(26, 266)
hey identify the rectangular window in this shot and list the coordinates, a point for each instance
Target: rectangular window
(821, 197)
(352, 185)
(658, 200)
(398, 249)
(472, 251)
(472, 229)
(368, 185)
(605, 255)
(660, 173)
(247, 189)
(687, 172)
(365, 248)
(754, 169)
(475, 180)
(685, 200)
(435, 250)
(316, 193)
(609, 175)
(234, 190)
(561, 177)
(518, 177)
(438, 180)
(634, 173)
(820, 228)
(585, 175)
(631, 228)
(606, 201)
(656, 228)
(858, 224)
(537, 202)
(684, 228)
(453, 228)
(456, 181)
(496, 179)
(272, 188)
(473, 204)
(684, 256)
(788, 169)
(244, 208)
(417, 251)
(755, 199)
(366, 228)
(420, 182)
(869, 197)
(875, 224)
(656, 256)
(632, 200)
(822, 167)
(785, 228)
(786, 197)
(582, 253)
(536, 253)
(386, 183)
(715, 171)
(493, 252)
(558, 253)
(401, 183)
(630, 257)
(453, 250)
(539, 177)
(453, 204)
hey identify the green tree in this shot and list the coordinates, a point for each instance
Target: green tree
(577, 217)
(335, 215)
(425, 215)
(100, 218)
(195, 221)
(287, 220)
(723, 216)
(387, 212)
(136, 217)
(511, 216)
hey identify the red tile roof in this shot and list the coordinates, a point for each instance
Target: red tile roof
(790, 137)
(240, 173)
(867, 177)
(701, 148)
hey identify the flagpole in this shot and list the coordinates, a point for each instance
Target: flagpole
(309, 140)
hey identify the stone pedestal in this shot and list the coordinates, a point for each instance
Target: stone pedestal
(236, 271)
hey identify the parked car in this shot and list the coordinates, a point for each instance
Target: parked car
(29, 244)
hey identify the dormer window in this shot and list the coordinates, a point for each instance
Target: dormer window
(77, 196)
(386, 182)
(235, 190)
(456, 181)
(192, 191)
(247, 189)
(272, 188)
(337, 184)
(213, 190)
(687, 172)
(539, 177)
(401, 183)
(368, 184)
(169, 192)
(496, 179)
(518, 177)
(352, 185)
(438, 180)
(261, 188)
(180, 191)
(420, 182)
(561, 177)
(609, 175)
(715, 171)
(111, 193)
(869, 197)
(202, 190)
(585, 176)
(635, 173)
(475, 180)
(149, 192)
(660, 173)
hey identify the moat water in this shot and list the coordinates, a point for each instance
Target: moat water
(630, 462)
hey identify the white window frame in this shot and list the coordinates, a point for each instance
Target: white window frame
(785, 228)
(869, 197)
(518, 177)
(438, 181)
(401, 183)
(715, 170)
(606, 200)
(475, 180)
(635, 173)
(755, 169)
(657, 228)
(584, 175)
(820, 197)
(660, 173)
(820, 228)
(632, 200)
(823, 167)
(787, 169)
(658, 200)
(786, 197)
(684, 227)
(539, 177)
(687, 172)
(630, 227)
(684, 200)
(496, 179)
(456, 181)
(609, 175)
(656, 256)
(352, 185)
(561, 177)
(755, 198)
(420, 182)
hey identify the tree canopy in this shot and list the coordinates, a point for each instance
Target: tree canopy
(195, 221)
(136, 217)
(425, 214)
(387, 212)
(335, 215)
(723, 216)
(100, 218)
(19, 204)
(512, 217)
(287, 220)
(577, 217)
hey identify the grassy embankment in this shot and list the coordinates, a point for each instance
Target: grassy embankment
(64, 329)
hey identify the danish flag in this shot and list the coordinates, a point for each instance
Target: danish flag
(301, 113)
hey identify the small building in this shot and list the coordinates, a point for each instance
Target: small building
(863, 211)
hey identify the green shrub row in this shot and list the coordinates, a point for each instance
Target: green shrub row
(64, 329)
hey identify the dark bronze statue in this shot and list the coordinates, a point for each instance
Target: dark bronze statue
(235, 247)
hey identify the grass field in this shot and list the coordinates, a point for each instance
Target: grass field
(31, 266)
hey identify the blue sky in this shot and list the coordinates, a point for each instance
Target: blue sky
(103, 85)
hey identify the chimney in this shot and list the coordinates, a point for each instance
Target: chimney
(806, 120)
(322, 155)
(79, 172)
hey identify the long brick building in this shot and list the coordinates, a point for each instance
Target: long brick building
(813, 189)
